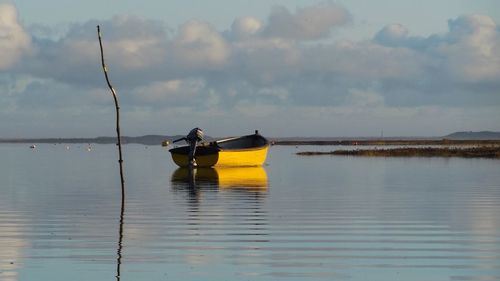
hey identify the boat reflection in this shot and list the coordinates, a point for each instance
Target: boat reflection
(235, 178)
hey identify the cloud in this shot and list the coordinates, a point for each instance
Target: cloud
(264, 61)
(131, 45)
(394, 35)
(473, 53)
(459, 67)
(14, 40)
(136, 43)
(199, 45)
(245, 27)
(469, 51)
(241, 63)
(177, 92)
(308, 23)
(273, 69)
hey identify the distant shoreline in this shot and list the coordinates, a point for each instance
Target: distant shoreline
(145, 140)
(383, 142)
(458, 138)
(157, 140)
(467, 152)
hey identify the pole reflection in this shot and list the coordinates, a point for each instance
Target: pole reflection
(120, 239)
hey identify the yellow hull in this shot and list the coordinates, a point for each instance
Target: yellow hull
(242, 177)
(224, 158)
(253, 157)
(249, 178)
(250, 150)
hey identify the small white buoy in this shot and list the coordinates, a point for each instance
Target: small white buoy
(32, 146)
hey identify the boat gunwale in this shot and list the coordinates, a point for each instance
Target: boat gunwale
(253, 148)
(200, 150)
(216, 148)
(264, 144)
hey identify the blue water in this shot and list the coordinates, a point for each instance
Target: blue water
(309, 218)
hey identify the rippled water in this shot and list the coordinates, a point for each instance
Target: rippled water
(298, 218)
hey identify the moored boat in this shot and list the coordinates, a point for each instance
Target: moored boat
(249, 150)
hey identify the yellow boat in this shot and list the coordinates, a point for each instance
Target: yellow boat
(250, 150)
(242, 178)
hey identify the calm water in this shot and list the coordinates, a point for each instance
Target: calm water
(298, 218)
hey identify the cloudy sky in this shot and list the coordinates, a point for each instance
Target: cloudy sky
(285, 67)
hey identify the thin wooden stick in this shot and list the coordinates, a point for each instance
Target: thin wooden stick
(120, 160)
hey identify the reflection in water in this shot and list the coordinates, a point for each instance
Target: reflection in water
(11, 245)
(325, 218)
(193, 181)
(245, 178)
(120, 239)
(240, 217)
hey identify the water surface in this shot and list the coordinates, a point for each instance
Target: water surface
(297, 218)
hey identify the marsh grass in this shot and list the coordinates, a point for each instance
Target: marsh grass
(465, 152)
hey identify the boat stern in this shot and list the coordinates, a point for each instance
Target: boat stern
(204, 156)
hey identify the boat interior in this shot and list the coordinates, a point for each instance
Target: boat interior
(242, 142)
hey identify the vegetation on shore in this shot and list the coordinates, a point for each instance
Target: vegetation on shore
(467, 152)
(388, 142)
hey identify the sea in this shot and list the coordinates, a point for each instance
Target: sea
(62, 217)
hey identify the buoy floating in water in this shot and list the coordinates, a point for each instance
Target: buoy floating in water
(32, 146)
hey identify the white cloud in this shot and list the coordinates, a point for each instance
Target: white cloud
(392, 35)
(266, 60)
(134, 44)
(171, 92)
(308, 23)
(255, 68)
(199, 45)
(14, 40)
(468, 52)
(133, 49)
(245, 27)
(473, 53)
(365, 60)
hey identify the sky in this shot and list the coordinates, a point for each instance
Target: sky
(287, 68)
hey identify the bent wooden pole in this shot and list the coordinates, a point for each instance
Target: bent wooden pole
(120, 160)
